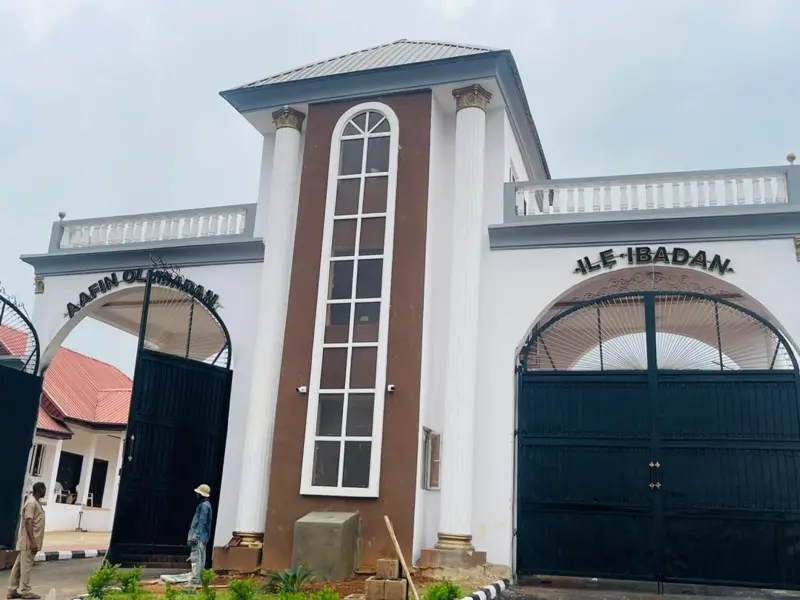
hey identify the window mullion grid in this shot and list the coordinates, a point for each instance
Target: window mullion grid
(350, 300)
(349, 364)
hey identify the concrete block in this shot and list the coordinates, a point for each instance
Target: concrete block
(237, 559)
(7, 558)
(395, 589)
(388, 568)
(327, 543)
(374, 588)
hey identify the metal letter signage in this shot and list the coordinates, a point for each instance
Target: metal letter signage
(645, 255)
(160, 277)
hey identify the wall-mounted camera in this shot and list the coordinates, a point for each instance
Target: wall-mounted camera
(390, 388)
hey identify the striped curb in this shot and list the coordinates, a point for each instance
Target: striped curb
(67, 555)
(493, 590)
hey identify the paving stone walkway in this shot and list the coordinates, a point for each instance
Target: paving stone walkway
(75, 540)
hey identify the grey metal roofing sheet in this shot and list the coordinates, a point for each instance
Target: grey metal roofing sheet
(401, 52)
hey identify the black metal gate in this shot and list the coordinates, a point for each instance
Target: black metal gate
(177, 428)
(20, 392)
(659, 439)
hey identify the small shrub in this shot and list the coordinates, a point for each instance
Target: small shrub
(129, 581)
(290, 596)
(289, 581)
(170, 593)
(325, 593)
(443, 590)
(206, 577)
(99, 583)
(243, 589)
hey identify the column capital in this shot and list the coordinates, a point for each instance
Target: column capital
(472, 96)
(288, 117)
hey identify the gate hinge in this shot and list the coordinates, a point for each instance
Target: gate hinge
(517, 369)
(514, 534)
(516, 432)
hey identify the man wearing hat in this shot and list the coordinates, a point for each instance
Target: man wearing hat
(200, 532)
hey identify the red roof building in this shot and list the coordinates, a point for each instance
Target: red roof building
(77, 389)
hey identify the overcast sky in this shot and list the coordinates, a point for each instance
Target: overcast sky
(111, 106)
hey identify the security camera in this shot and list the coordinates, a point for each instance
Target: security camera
(302, 389)
(390, 388)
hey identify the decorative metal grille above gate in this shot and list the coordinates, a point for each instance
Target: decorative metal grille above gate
(180, 324)
(692, 331)
(19, 344)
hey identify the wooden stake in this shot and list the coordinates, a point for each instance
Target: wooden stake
(400, 556)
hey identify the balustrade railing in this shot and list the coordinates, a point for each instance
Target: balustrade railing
(157, 227)
(688, 190)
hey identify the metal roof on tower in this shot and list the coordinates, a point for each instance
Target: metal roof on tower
(397, 67)
(400, 52)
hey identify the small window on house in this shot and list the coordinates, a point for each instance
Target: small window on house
(432, 459)
(36, 464)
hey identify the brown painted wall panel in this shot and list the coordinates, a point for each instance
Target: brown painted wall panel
(401, 416)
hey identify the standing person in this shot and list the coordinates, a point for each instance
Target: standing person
(200, 532)
(29, 542)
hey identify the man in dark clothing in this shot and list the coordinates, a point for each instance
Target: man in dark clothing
(200, 532)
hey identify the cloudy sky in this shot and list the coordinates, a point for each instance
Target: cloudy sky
(111, 106)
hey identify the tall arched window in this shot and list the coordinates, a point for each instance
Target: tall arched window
(344, 423)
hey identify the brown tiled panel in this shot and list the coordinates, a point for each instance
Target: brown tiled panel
(401, 416)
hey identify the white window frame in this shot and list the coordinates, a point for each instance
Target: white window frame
(40, 449)
(372, 490)
(428, 461)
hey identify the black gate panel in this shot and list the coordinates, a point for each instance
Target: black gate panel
(19, 401)
(685, 470)
(730, 476)
(581, 436)
(175, 441)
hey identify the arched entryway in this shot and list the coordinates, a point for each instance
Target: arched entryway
(177, 424)
(658, 438)
(20, 388)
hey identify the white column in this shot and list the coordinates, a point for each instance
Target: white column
(86, 471)
(276, 272)
(51, 484)
(455, 526)
(115, 475)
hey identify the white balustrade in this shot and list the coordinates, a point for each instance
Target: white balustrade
(681, 191)
(154, 228)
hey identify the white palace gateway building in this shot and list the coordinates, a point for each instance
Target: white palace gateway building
(593, 377)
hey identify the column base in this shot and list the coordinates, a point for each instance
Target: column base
(434, 558)
(242, 555)
(452, 551)
(453, 541)
(249, 540)
(239, 559)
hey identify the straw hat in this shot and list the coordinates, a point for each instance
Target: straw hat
(203, 490)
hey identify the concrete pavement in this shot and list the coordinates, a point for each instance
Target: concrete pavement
(68, 577)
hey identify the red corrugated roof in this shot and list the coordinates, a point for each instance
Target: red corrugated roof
(47, 423)
(86, 389)
(13, 341)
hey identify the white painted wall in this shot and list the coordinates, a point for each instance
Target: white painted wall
(441, 203)
(501, 148)
(512, 153)
(237, 286)
(516, 287)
